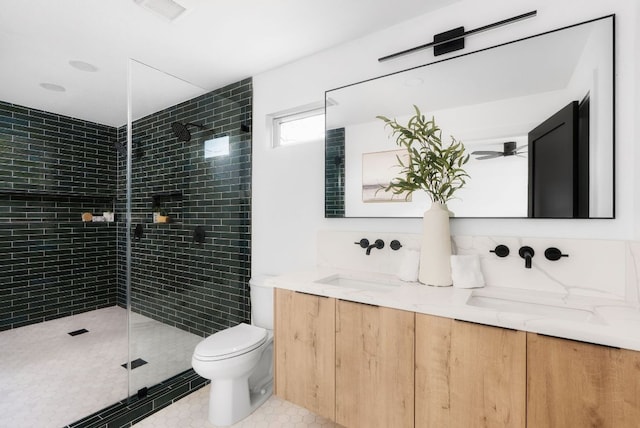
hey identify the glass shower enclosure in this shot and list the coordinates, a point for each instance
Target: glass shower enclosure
(103, 314)
(155, 242)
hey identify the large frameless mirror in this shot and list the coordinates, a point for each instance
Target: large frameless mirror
(536, 115)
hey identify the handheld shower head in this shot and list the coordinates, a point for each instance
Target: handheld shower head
(136, 147)
(181, 130)
(120, 148)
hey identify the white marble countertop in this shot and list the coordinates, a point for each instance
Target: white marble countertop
(590, 319)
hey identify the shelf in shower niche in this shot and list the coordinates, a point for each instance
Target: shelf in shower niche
(167, 195)
(36, 224)
(50, 194)
(169, 203)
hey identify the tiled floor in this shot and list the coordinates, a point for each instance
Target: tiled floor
(191, 412)
(50, 379)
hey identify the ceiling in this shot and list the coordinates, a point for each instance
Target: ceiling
(213, 43)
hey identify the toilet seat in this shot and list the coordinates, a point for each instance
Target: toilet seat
(231, 342)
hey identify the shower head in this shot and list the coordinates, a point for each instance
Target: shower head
(136, 146)
(181, 130)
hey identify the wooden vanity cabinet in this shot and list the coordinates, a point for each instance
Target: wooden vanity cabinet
(305, 350)
(433, 371)
(469, 375)
(374, 366)
(370, 366)
(576, 384)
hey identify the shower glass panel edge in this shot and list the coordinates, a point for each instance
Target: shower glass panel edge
(128, 219)
(160, 346)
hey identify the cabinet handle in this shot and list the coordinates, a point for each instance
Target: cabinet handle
(310, 294)
(486, 325)
(360, 303)
(580, 341)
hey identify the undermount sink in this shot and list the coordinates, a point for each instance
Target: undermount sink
(504, 304)
(353, 282)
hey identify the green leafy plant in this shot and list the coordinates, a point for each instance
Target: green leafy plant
(429, 165)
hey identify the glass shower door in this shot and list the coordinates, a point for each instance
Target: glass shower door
(157, 255)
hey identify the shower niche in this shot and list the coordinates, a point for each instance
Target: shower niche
(168, 205)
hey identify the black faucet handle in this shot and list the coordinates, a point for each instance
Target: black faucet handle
(364, 243)
(500, 250)
(395, 245)
(553, 254)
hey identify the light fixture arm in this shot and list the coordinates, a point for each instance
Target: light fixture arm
(454, 39)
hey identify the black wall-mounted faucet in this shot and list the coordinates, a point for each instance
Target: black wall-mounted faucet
(379, 244)
(527, 254)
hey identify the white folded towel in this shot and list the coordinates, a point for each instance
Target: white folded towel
(466, 272)
(409, 266)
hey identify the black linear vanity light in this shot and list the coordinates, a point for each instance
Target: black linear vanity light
(453, 40)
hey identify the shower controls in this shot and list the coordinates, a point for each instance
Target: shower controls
(199, 235)
(137, 232)
(500, 250)
(553, 254)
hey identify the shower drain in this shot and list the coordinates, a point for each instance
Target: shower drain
(135, 363)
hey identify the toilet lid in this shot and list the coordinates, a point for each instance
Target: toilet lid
(232, 341)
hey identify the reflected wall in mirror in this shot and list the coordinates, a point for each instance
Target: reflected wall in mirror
(503, 103)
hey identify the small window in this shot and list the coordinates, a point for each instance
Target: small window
(298, 127)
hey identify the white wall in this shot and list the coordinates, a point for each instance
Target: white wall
(288, 182)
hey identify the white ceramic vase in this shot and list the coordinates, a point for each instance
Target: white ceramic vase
(435, 254)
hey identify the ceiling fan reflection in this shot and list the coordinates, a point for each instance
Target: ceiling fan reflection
(510, 148)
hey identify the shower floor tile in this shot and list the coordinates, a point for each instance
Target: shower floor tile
(192, 412)
(50, 379)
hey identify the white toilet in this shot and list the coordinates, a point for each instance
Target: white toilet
(239, 362)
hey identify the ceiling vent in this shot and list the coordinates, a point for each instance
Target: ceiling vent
(168, 9)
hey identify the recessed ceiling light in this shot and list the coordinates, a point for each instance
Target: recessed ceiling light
(168, 9)
(52, 87)
(83, 66)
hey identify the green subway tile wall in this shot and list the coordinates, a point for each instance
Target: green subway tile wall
(198, 287)
(334, 174)
(52, 169)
